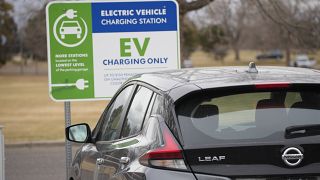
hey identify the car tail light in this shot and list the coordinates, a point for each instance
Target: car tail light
(168, 155)
(273, 85)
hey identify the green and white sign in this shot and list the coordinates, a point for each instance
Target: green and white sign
(93, 47)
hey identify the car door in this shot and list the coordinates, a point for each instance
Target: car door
(115, 156)
(108, 130)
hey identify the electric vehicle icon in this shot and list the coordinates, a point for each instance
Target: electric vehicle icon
(70, 28)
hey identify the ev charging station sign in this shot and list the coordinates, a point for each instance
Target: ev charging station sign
(93, 47)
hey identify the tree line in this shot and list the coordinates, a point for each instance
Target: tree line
(214, 26)
(8, 32)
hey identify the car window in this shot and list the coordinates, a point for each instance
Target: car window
(244, 105)
(112, 117)
(148, 114)
(158, 106)
(245, 117)
(291, 98)
(137, 112)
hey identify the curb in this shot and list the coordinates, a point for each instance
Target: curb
(36, 144)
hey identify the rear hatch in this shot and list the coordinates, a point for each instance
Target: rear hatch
(252, 132)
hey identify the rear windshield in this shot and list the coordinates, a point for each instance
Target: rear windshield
(245, 117)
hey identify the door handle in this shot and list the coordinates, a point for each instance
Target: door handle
(124, 160)
(100, 161)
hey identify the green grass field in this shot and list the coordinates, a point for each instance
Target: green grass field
(28, 114)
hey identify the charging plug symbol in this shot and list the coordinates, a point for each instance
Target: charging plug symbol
(71, 14)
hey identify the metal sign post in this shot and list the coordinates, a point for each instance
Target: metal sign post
(2, 157)
(67, 115)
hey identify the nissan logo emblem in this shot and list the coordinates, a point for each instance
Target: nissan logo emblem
(292, 156)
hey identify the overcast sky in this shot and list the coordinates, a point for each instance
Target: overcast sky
(22, 9)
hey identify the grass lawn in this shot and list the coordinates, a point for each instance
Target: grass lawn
(202, 59)
(28, 114)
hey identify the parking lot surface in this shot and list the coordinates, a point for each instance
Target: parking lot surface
(35, 162)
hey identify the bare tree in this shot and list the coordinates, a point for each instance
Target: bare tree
(35, 36)
(232, 15)
(295, 20)
(7, 31)
(186, 6)
(29, 44)
(212, 40)
(191, 36)
(267, 24)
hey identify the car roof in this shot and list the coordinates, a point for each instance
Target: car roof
(177, 83)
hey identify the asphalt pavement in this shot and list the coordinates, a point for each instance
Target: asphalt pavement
(35, 162)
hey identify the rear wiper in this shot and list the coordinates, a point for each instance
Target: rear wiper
(302, 131)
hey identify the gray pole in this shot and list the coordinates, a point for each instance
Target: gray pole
(67, 115)
(2, 155)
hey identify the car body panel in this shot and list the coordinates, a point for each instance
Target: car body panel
(245, 161)
(84, 162)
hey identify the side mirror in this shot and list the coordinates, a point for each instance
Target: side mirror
(79, 133)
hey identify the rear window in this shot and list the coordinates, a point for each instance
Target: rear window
(217, 118)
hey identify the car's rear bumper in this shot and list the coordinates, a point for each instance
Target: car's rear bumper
(159, 174)
(147, 173)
